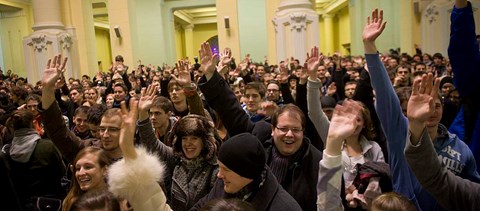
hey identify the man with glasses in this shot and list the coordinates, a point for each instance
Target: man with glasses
(290, 155)
(273, 92)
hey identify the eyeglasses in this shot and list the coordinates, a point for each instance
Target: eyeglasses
(272, 90)
(109, 129)
(286, 129)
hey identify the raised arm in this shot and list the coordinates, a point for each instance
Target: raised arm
(389, 111)
(315, 112)
(64, 139)
(219, 95)
(452, 192)
(344, 121)
(195, 104)
(135, 177)
(145, 129)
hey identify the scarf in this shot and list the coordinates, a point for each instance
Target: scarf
(279, 165)
(23, 143)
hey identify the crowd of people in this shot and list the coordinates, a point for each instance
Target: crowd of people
(373, 132)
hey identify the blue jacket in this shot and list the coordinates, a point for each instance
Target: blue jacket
(395, 126)
(464, 55)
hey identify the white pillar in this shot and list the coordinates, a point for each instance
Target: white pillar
(296, 27)
(48, 39)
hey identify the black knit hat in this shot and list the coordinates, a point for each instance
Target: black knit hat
(243, 154)
(446, 79)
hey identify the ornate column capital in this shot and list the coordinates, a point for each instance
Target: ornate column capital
(65, 41)
(39, 43)
(298, 21)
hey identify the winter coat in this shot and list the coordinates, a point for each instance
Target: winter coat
(302, 175)
(36, 172)
(271, 196)
(187, 181)
(65, 140)
(137, 182)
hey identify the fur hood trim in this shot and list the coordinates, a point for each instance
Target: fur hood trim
(127, 179)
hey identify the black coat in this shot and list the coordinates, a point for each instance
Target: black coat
(271, 196)
(302, 176)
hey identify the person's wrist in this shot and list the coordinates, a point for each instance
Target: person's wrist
(312, 78)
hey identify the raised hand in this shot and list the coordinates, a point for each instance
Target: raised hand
(372, 30)
(303, 75)
(312, 63)
(127, 132)
(54, 70)
(283, 74)
(374, 26)
(345, 120)
(183, 78)
(421, 104)
(268, 108)
(331, 89)
(208, 60)
(225, 59)
(147, 96)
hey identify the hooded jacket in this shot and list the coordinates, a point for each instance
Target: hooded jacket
(36, 166)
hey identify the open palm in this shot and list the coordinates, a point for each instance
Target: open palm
(208, 60)
(344, 120)
(313, 61)
(374, 26)
(147, 97)
(53, 71)
(183, 73)
(421, 104)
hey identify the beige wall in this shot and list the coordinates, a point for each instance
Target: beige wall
(201, 33)
(82, 21)
(179, 43)
(343, 22)
(228, 38)
(271, 8)
(122, 13)
(14, 26)
(104, 50)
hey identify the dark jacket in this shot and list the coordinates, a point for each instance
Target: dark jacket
(271, 196)
(65, 140)
(41, 175)
(302, 175)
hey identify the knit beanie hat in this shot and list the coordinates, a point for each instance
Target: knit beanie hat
(243, 154)
(446, 79)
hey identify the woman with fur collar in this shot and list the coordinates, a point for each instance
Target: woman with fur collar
(136, 176)
(191, 162)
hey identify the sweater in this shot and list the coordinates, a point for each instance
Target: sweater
(452, 192)
(395, 126)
